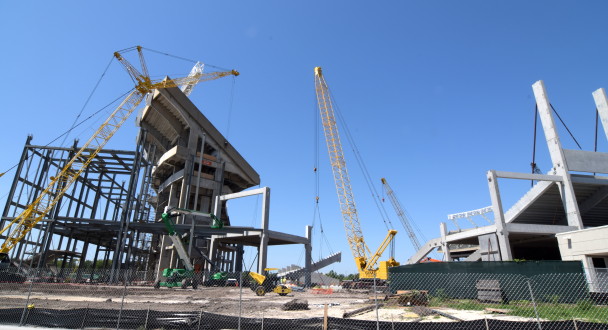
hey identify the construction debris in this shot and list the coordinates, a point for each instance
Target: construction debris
(295, 304)
(361, 310)
(498, 310)
(425, 311)
(411, 297)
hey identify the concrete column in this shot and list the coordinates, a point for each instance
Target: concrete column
(499, 218)
(192, 239)
(213, 255)
(590, 273)
(198, 175)
(238, 267)
(560, 167)
(217, 207)
(264, 239)
(308, 257)
(166, 256)
(601, 103)
(219, 185)
(443, 228)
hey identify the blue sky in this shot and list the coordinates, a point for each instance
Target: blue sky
(435, 92)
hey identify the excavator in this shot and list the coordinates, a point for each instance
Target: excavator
(366, 261)
(33, 213)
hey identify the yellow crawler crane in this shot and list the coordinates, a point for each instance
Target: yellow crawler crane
(365, 260)
(48, 198)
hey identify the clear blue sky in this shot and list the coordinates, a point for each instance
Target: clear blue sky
(435, 92)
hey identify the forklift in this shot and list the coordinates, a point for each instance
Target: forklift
(267, 283)
(183, 277)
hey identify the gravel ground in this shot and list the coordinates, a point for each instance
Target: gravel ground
(218, 300)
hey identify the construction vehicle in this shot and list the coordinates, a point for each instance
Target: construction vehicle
(183, 277)
(268, 282)
(33, 213)
(401, 214)
(364, 259)
(217, 279)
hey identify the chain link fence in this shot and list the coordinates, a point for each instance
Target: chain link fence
(79, 299)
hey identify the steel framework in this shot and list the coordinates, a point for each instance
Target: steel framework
(92, 218)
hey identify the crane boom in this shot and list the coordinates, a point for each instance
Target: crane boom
(48, 198)
(401, 214)
(59, 184)
(354, 234)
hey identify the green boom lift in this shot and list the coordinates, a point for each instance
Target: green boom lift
(183, 277)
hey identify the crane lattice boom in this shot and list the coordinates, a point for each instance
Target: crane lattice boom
(44, 203)
(354, 234)
(363, 257)
(401, 214)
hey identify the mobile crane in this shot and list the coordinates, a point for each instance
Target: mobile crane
(365, 260)
(59, 184)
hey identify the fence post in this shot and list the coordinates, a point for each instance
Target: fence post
(240, 298)
(534, 304)
(325, 317)
(200, 318)
(27, 302)
(147, 316)
(122, 303)
(84, 318)
(376, 302)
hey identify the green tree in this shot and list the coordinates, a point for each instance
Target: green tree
(342, 277)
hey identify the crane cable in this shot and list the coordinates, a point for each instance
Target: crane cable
(567, 129)
(230, 107)
(316, 210)
(76, 125)
(535, 169)
(79, 114)
(597, 117)
(177, 57)
(363, 167)
(87, 101)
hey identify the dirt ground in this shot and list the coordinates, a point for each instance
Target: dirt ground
(222, 300)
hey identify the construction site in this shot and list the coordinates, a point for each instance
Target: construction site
(143, 238)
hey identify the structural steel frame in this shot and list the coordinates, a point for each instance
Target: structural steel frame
(93, 218)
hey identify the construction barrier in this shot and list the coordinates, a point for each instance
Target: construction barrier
(100, 299)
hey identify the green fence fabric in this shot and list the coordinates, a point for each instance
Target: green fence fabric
(525, 268)
(550, 281)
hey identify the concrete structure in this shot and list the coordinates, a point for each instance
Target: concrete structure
(570, 202)
(195, 167)
(112, 212)
(590, 246)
